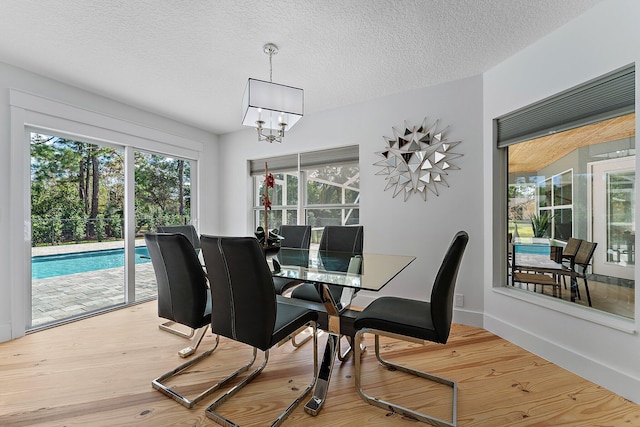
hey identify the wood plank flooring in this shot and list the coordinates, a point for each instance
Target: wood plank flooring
(98, 372)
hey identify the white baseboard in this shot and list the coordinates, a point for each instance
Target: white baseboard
(618, 382)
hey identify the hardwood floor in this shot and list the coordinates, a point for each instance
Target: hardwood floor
(98, 372)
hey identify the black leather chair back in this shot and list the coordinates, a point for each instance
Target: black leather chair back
(444, 285)
(188, 230)
(244, 299)
(348, 238)
(182, 284)
(295, 236)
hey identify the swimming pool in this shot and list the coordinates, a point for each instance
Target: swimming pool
(46, 266)
(532, 249)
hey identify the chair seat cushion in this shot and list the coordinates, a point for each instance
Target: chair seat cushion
(308, 292)
(401, 316)
(288, 319)
(535, 278)
(281, 284)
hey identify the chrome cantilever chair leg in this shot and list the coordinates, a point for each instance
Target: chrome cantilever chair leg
(304, 340)
(392, 366)
(195, 342)
(211, 410)
(189, 403)
(167, 327)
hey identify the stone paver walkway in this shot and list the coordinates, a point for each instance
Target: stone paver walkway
(61, 297)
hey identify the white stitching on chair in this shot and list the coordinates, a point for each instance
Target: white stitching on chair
(231, 304)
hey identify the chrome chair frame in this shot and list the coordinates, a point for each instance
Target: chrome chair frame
(413, 321)
(215, 416)
(246, 310)
(183, 400)
(406, 412)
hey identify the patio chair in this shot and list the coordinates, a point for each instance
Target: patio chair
(581, 263)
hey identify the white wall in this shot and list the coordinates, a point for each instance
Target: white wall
(598, 347)
(12, 292)
(415, 227)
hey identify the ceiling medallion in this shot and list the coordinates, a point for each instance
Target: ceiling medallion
(417, 159)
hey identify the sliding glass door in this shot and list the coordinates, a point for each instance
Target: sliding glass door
(162, 197)
(77, 228)
(78, 213)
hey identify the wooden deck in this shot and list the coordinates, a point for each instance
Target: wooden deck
(98, 372)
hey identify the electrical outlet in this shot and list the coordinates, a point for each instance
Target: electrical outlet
(459, 300)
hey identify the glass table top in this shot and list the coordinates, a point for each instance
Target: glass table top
(365, 271)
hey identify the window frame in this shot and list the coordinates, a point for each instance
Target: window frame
(305, 162)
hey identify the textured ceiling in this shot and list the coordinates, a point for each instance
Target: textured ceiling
(190, 60)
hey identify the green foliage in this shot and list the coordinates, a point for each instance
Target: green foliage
(540, 224)
(100, 234)
(72, 200)
(78, 224)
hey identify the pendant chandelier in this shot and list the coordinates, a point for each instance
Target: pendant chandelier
(270, 107)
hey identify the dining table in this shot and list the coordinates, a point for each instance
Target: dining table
(337, 276)
(543, 264)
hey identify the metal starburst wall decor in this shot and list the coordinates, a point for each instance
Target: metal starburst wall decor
(417, 159)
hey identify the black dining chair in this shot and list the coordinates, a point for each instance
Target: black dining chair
(296, 237)
(335, 238)
(408, 319)
(183, 297)
(348, 239)
(191, 234)
(188, 230)
(246, 310)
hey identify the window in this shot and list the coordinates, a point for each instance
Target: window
(571, 173)
(330, 196)
(78, 217)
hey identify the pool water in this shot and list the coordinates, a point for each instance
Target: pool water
(46, 266)
(532, 249)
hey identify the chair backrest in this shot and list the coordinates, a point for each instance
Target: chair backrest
(585, 253)
(295, 236)
(342, 238)
(242, 292)
(444, 284)
(188, 230)
(571, 249)
(182, 284)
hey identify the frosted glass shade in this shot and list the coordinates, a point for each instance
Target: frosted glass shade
(273, 103)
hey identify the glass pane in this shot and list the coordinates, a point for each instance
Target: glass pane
(274, 218)
(544, 194)
(522, 205)
(336, 216)
(585, 179)
(162, 197)
(562, 185)
(562, 224)
(284, 191)
(77, 199)
(333, 185)
(620, 217)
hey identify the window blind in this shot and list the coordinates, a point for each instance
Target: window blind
(609, 96)
(308, 160)
(333, 156)
(276, 164)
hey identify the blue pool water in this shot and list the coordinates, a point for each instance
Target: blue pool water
(532, 249)
(81, 262)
